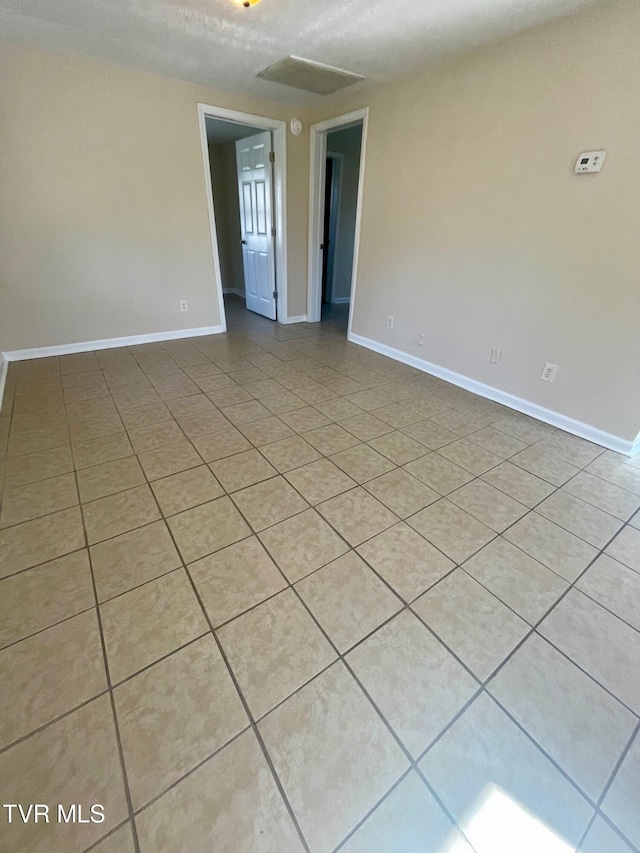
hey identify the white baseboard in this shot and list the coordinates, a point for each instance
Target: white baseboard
(235, 290)
(4, 369)
(341, 300)
(586, 431)
(286, 321)
(110, 343)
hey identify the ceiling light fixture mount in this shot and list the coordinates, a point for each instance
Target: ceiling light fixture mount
(248, 3)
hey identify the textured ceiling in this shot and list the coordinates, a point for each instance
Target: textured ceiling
(220, 43)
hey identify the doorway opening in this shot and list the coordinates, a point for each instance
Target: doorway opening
(337, 168)
(244, 160)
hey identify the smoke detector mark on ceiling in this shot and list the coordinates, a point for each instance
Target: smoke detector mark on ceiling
(310, 76)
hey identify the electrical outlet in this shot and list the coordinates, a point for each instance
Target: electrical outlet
(389, 322)
(420, 340)
(183, 305)
(496, 355)
(549, 372)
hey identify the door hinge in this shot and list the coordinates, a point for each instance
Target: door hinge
(275, 294)
(273, 230)
(272, 156)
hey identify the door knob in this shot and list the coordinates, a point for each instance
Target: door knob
(243, 242)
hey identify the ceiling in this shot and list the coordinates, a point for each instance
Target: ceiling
(222, 44)
(219, 131)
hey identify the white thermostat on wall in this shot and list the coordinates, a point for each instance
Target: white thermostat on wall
(590, 161)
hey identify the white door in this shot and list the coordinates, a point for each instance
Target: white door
(256, 222)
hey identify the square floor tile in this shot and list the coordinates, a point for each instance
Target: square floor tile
(203, 423)
(586, 521)
(457, 422)
(626, 548)
(367, 400)
(266, 431)
(273, 650)
(346, 747)
(80, 753)
(133, 558)
(290, 453)
(621, 801)
(20, 470)
(570, 448)
(174, 715)
(169, 460)
(186, 489)
(398, 447)
(316, 393)
(497, 442)
(246, 413)
(108, 478)
(242, 469)
(155, 436)
(621, 473)
(366, 426)
(405, 560)
(362, 463)
(615, 587)
(40, 540)
(397, 416)
(37, 499)
(470, 456)
(155, 413)
(99, 450)
(401, 493)
(118, 513)
(36, 440)
(268, 503)
(414, 681)
(518, 580)
(504, 774)
(602, 839)
(303, 420)
(472, 622)
(523, 427)
(519, 484)
(602, 645)
(33, 600)
(234, 579)
(606, 496)
(319, 481)
(338, 409)
(207, 528)
(451, 529)
(561, 551)
(331, 439)
(409, 820)
(231, 802)
(439, 473)
(348, 600)
(544, 464)
(357, 515)
(37, 682)
(430, 434)
(149, 622)
(221, 444)
(488, 505)
(302, 544)
(581, 726)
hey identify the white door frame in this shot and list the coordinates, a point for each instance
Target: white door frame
(279, 129)
(319, 133)
(334, 225)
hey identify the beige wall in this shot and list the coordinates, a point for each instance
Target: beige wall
(224, 182)
(476, 232)
(346, 142)
(103, 213)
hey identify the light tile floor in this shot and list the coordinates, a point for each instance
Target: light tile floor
(268, 591)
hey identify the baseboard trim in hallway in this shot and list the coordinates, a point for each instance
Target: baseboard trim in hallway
(582, 430)
(111, 343)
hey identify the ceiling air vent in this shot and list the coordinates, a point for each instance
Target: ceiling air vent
(310, 76)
